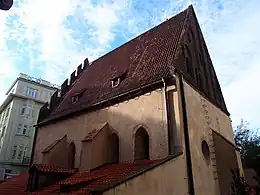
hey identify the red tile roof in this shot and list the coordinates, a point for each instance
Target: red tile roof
(15, 186)
(145, 59)
(100, 177)
(53, 169)
(48, 148)
(91, 135)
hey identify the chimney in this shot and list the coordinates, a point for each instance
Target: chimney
(73, 77)
(86, 63)
(64, 88)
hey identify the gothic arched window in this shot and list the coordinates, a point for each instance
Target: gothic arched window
(141, 144)
(114, 146)
(71, 155)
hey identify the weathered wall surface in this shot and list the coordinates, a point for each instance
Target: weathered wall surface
(125, 118)
(166, 179)
(58, 155)
(226, 159)
(203, 119)
(95, 152)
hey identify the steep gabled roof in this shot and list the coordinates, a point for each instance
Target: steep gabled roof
(144, 60)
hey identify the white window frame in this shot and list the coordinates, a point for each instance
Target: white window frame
(20, 129)
(115, 82)
(14, 153)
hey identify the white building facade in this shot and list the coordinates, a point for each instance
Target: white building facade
(18, 114)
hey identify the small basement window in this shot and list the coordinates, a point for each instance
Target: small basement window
(115, 82)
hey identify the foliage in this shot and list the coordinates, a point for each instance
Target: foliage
(249, 142)
(238, 186)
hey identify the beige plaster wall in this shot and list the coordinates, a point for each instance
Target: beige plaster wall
(125, 118)
(94, 153)
(166, 179)
(203, 118)
(58, 155)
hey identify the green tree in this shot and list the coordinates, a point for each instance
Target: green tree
(249, 142)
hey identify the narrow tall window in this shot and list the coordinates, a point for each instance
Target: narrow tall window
(29, 109)
(141, 144)
(25, 129)
(23, 109)
(25, 152)
(114, 148)
(20, 152)
(71, 155)
(14, 152)
(19, 129)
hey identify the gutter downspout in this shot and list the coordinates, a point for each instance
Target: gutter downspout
(186, 138)
(170, 152)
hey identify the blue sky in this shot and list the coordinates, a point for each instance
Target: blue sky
(49, 39)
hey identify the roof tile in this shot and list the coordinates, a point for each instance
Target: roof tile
(100, 177)
(16, 185)
(145, 58)
(54, 169)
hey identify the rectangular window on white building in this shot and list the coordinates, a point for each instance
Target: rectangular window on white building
(20, 153)
(29, 109)
(31, 92)
(14, 152)
(25, 129)
(25, 152)
(23, 109)
(19, 129)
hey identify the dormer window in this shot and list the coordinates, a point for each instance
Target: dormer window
(115, 82)
(75, 98)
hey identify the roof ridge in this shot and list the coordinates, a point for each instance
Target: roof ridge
(183, 30)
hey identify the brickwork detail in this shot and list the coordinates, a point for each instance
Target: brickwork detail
(208, 121)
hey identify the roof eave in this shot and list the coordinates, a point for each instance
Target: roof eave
(119, 98)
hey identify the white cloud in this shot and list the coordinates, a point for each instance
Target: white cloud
(50, 38)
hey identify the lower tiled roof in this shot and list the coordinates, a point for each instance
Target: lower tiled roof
(53, 169)
(15, 186)
(81, 182)
(100, 177)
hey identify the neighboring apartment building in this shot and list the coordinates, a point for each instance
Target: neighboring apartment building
(18, 114)
(147, 118)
